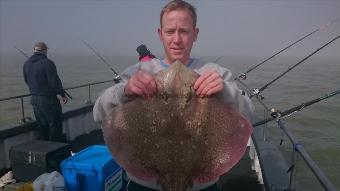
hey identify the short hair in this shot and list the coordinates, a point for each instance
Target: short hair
(40, 46)
(179, 4)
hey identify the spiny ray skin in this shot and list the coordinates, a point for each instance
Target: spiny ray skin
(176, 138)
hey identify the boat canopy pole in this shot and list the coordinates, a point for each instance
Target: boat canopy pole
(23, 53)
(258, 91)
(117, 76)
(243, 76)
(298, 108)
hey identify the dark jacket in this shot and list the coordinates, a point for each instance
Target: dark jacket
(41, 76)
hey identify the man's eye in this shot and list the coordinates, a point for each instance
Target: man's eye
(183, 31)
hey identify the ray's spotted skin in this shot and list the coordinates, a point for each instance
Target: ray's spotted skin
(176, 138)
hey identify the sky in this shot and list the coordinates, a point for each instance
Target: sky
(227, 28)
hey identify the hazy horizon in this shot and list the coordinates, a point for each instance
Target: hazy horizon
(227, 28)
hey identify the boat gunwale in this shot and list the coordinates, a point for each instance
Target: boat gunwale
(32, 125)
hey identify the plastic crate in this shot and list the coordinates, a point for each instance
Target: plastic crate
(92, 169)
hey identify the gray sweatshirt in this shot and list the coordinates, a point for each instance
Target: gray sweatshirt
(115, 95)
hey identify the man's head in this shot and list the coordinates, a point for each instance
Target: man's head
(40, 47)
(178, 30)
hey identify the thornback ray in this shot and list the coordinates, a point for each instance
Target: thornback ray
(176, 138)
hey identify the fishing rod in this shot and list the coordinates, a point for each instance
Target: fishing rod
(258, 91)
(298, 108)
(243, 76)
(249, 91)
(217, 59)
(23, 53)
(117, 76)
(259, 98)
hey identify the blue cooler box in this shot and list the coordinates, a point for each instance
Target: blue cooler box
(92, 169)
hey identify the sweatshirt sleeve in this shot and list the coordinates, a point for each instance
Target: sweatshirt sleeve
(53, 78)
(113, 96)
(231, 92)
(24, 72)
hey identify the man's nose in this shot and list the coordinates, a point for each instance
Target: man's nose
(177, 37)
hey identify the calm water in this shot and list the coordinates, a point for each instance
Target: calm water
(317, 127)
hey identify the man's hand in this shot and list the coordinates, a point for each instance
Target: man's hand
(209, 83)
(141, 84)
(64, 99)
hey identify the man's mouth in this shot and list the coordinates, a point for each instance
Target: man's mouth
(177, 50)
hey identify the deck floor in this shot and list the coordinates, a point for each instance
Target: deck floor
(239, 178)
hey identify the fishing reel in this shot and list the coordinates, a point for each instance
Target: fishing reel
(117, 79)
(256, 92)
(275, 113)
(242, 76)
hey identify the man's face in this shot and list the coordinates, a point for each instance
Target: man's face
(178, 35)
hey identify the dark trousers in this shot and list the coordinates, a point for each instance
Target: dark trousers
(136, 187)
(132, 186)
(48, 113)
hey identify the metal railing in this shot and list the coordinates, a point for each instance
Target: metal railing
(299, 150)
(21, 97)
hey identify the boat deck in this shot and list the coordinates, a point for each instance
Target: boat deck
(240, 177)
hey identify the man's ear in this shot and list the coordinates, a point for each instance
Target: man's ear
(160, 34)
(197, 30)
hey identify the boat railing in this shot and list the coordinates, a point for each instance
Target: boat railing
(299, 149)
(21, 97)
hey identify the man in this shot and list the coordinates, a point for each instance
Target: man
(41, 76)
(177, 32)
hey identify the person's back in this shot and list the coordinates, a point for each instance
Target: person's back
(41, 76)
